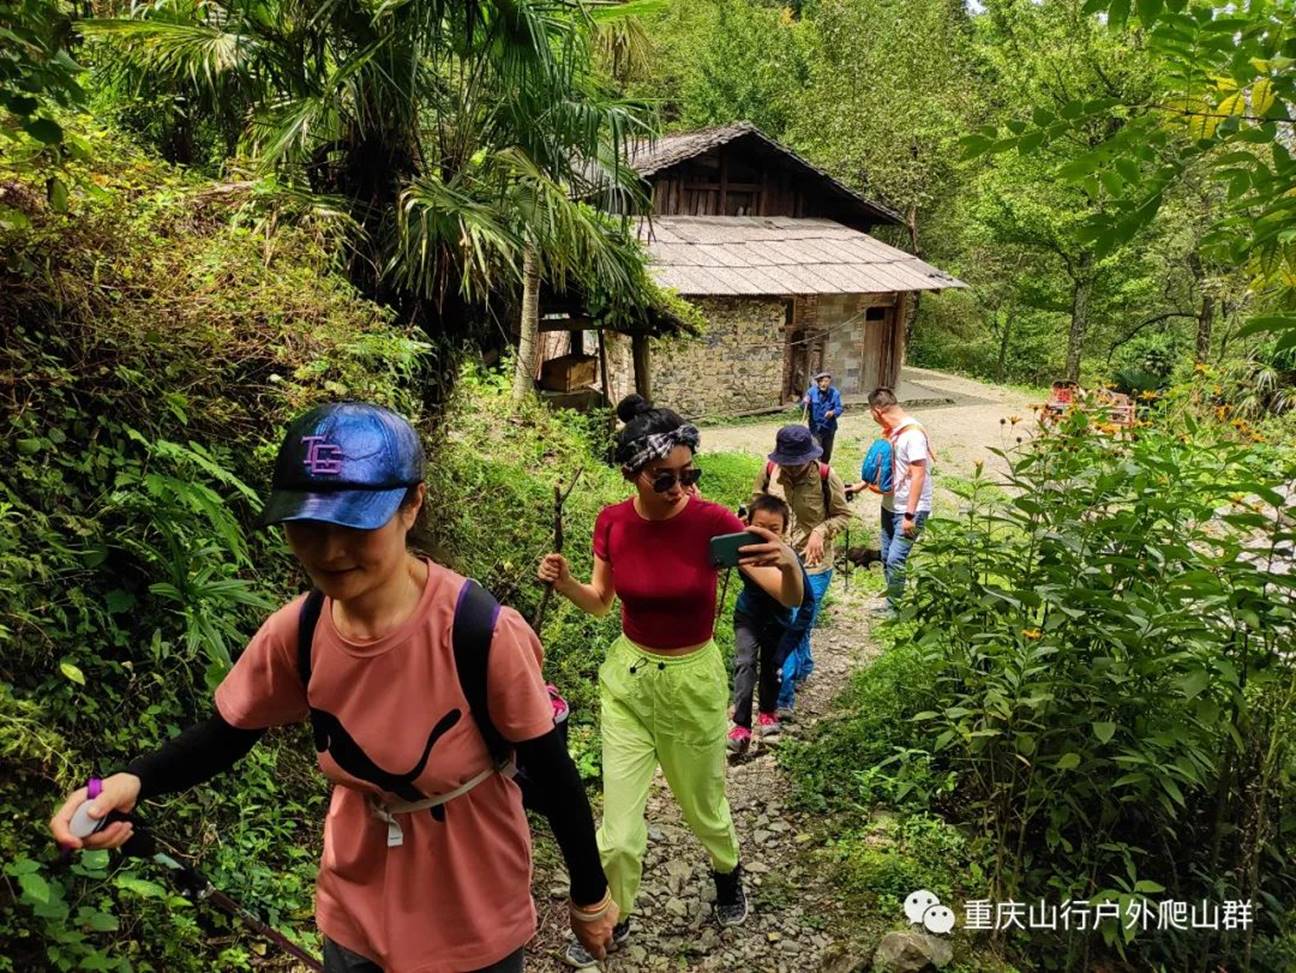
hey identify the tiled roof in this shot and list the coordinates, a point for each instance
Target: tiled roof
(775, 255)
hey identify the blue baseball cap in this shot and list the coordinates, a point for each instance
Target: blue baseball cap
(346, 463)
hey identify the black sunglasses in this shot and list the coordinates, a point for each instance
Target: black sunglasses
(664, 480)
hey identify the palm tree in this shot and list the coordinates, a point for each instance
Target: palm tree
(457, 133)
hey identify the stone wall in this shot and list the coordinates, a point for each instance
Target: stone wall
(736, 365)
(855, 342)
(742, 362)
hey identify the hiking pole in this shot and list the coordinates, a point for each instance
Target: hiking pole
(560, 499)
(846, 564)
(199, 888)
(142, 844)
(724, 591)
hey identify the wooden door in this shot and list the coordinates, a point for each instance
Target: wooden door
(875, 364)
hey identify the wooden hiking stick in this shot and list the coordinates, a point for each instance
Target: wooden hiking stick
(560, 498)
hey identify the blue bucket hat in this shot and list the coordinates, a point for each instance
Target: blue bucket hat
(346, 463)
(793, 446)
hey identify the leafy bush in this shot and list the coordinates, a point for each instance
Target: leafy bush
(1107, 673)
(154, 348)
(1092, 681)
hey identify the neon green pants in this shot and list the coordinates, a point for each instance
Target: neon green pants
(669, 710)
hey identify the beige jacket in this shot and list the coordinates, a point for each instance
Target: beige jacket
(806, 498)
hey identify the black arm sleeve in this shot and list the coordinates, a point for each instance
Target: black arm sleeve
(556, 785)
(198, 754)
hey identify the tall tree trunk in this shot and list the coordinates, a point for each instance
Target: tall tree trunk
(524, 372)
(911, 311)
(1081, 284)
(1206, 315)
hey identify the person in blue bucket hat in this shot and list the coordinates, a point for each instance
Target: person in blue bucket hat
(816, 495)
(420, 737)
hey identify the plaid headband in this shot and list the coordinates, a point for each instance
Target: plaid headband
(642, 451)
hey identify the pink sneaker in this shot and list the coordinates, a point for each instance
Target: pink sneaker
(767, 724)
(739, 739)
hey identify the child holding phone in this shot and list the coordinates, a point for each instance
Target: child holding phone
(765, 632)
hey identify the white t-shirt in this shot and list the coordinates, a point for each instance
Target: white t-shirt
(911, 447)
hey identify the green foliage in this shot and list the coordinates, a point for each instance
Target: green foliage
(38, 77)
(1107, 672)
(158, 348)
(1218, 98)
(718, 61)
(847, 763)
(36, 71)
(453, 136)
(884, 862)
(888, 94)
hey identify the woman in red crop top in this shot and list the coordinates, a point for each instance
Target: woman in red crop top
(663, 688)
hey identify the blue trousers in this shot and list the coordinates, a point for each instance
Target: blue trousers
(800, 663)
(895, 550)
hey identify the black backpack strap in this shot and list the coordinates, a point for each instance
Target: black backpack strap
(306, 622)
(475, 615)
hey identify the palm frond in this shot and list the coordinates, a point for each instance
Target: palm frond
(445, 230)
(202, 53)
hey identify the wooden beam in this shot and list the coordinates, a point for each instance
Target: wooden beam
(899, 314)
(575, 322)
(607, 389)
(642, 366)
(724, 184)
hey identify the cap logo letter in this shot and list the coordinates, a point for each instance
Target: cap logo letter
(322, 459)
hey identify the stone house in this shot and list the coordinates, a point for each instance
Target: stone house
(777, 255)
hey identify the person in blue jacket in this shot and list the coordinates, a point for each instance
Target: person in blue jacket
(824, 403)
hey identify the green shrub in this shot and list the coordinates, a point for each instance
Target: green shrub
(883, 862)
(1105, 671)
(155, 349)
(859, 756)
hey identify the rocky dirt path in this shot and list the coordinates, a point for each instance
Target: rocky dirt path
(963, 429)
(796, 923)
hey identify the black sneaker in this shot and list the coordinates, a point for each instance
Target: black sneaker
(579, 958)
(731, 900)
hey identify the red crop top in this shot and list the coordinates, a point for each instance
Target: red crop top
(661, 570)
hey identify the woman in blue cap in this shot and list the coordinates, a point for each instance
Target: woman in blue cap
(426, 865)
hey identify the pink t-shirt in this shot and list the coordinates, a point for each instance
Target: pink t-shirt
(456, 894)
(662, 572)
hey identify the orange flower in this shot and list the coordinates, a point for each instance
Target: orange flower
(1032, 633)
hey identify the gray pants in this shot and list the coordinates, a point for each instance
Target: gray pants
(338, 959)
(755, 646)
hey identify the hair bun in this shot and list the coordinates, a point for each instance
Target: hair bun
(632, 405)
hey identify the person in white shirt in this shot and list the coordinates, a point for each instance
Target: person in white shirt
(906, 508)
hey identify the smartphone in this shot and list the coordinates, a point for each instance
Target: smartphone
(724, 549)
